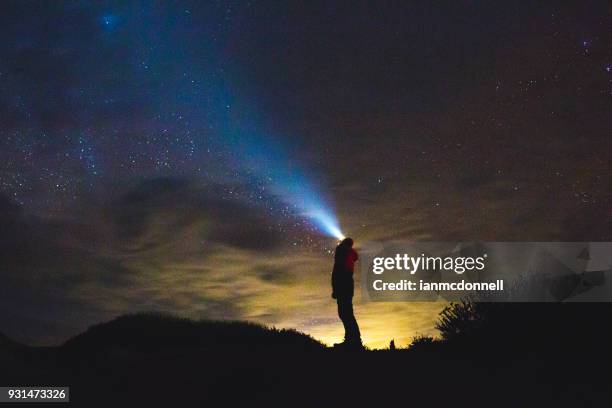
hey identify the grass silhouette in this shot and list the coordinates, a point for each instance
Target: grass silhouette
(146, 332)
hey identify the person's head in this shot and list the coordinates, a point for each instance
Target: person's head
(343, 249)
(344, 245)
(347, 242)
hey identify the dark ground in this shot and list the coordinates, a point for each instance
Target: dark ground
(289, 369)
(326, 378)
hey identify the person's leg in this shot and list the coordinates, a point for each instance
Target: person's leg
(343, 315)
(351, 328)
(353, 332)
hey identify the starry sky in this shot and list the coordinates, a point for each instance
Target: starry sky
(143, 143)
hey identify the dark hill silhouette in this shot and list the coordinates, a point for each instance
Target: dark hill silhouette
(146, 332)
(502, 355)
(11, 349)
(9, 344)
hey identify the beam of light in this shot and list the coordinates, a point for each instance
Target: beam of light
(271, 160)
(310, 206)
(328, 223)
(299, 193)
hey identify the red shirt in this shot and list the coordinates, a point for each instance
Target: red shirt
(351, 258)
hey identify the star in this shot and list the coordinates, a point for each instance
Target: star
(108, 21)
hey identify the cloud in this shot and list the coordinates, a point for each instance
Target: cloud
(170, 245)
(157, 246)
(159, 210)
(274, 274)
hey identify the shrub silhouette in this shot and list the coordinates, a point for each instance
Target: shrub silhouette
(460, 320)
(156, 331)
(540, 327)
(422, 342)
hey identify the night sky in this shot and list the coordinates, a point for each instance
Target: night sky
(143, 146)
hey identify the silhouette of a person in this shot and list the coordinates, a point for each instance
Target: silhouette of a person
(343, 288)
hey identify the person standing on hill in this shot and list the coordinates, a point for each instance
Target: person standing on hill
(343, 288)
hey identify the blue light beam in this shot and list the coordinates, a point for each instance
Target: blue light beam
(270, 160)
